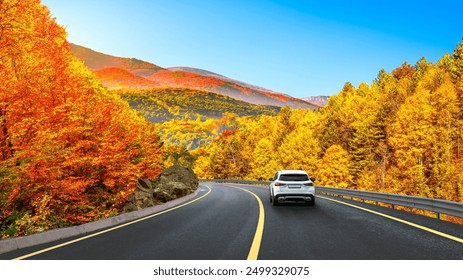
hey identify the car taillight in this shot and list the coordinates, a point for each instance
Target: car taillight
(308, 184)
(279, 184)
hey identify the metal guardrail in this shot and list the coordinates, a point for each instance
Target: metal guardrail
(438, 206)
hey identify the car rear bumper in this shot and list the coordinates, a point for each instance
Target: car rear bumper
(294, 197)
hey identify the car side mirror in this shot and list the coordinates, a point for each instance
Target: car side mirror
(270, 179)
(312, 179)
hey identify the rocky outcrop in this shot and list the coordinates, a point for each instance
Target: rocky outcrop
(174, 182)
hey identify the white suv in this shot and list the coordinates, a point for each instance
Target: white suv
(292, 185)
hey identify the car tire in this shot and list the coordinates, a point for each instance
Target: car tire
(312, 202)
(275, 201)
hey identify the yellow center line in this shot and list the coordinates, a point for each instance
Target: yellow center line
(454, 238)
(255, 246)
(111, 229)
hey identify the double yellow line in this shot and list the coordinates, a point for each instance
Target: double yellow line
(255, 247)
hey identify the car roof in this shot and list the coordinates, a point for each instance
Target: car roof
(292, 172)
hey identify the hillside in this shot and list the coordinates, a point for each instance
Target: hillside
(163, 104)
(143, 73)
(118, 78)
(190, 118)
(98, 61)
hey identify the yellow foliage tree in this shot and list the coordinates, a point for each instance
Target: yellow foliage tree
(334, 168)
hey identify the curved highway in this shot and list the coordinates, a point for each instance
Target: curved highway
(235, 222)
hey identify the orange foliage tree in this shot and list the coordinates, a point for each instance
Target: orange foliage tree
(70, 151)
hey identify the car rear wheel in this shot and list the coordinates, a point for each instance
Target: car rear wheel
(275, 201)
(312, 202)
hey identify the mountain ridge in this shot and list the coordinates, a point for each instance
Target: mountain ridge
(131, 73)
(97, 61)
(209, 73)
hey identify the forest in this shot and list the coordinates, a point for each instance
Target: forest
(71, 151)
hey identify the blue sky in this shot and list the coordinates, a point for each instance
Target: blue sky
(301, 48)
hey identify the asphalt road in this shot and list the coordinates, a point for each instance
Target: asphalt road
(235, 222)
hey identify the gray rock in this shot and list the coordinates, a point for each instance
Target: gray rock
(174, 182)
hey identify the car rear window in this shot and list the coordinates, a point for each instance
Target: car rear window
(294, 177)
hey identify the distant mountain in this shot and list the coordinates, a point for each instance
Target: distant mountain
(317, 100)
(130, 73)
(223, 85)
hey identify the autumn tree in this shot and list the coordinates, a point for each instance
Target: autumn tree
(457, 71)
(335, 120)
(300, 148)
(334, 168)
